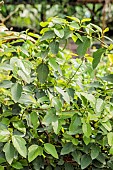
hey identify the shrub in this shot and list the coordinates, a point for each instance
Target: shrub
(56, 106)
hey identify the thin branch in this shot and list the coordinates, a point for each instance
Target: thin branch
(69, 81)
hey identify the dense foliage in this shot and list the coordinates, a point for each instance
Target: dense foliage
(21, 15)
(56, 106)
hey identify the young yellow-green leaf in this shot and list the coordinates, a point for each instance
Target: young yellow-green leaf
(110, 138)
(85, 20)
(34, 151)
(106, 30)
(110, 57)
(43, 72)
(19, 144)
(44, 24)
(1, 167)
(51, 150)
(16, 91)
(9, 152)
(74, 19)
(97, 56)
(85, 161)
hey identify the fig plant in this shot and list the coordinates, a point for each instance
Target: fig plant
(56, 106)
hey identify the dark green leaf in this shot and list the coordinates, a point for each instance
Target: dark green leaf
(85, 161)
(97, 56)
(83, 46)
(54, 47)
(77, 156)
(95, 151)
(108, 78)
(48, 35)
(43, 72)
(67, 148)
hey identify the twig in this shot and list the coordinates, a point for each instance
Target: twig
(74, 73)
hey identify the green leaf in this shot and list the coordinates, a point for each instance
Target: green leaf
(49, 117)
(56, 102)
(20, 126)
(59, 33)
(108, 78)
(97, 56)
(89, 97)
(95, 151)
(86, 129)
(43, 72)
(17, 165)
(56, 126)
(1, 167)
(75, 123)
(110, 138)
(53, 63)
(77, 156)
(96, 27)
(34, 119)
(24, 76)
(99, 105)
(86, 140)
(6, 84)
(83, 46)
(107, 125)
(16, 91)
(19, 144)
(6, 67)
(54, 47)
(4, 135)
(34, 151)
(9, 152)
(74, 25)
(67, 148)
(51, 150)
(64, 94)
(48, 35)
(85, 161)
